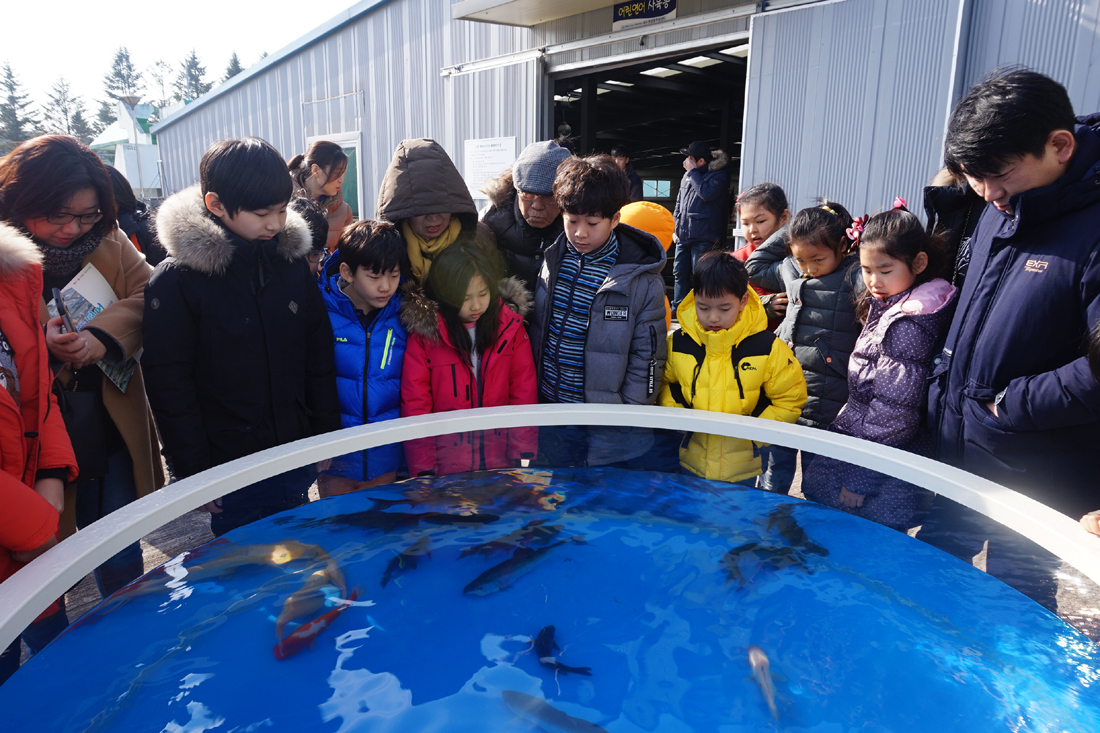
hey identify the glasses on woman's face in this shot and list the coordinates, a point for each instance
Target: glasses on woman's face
(84, 219)
(543, 202)
(315, 255)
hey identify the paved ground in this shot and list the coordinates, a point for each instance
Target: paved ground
(1078, 597)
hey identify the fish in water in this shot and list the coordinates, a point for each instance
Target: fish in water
(510, 491)
(761, 672)
(535, 532)
(766, 558)
(406, 560)
(789, 529)
(307, 600)
(306, 634)
(506, 573)
(545, 715)
(544, 647)
(390, 521)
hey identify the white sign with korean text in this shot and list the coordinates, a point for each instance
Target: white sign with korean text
(486, 159)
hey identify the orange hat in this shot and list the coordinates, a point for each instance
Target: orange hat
(650, 217)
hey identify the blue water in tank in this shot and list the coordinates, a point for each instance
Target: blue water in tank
(657, 584)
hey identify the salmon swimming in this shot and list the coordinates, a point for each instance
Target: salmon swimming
(535, 532)
(545, 715)
(506, 573)
(406, 560)
(306, 634)
(761, 671)
(544, 647)
(789, 529)
(766, 558)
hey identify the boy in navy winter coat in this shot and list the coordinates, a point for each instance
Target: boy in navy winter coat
(361, 286)
(1012, 398)
(238, 350)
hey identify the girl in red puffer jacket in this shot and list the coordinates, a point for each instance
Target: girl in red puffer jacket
(467, 348)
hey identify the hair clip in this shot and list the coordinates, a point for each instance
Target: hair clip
(899, 203)
(856, 230)
(738, 199)
(823, 206)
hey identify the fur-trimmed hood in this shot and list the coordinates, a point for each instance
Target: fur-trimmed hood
(17, 251)
(198, 241)
(500, 190)
(420, 314)
(721, 160)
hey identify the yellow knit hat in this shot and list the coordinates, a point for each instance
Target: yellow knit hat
(650, 217)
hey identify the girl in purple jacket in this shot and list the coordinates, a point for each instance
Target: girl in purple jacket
(905, 310)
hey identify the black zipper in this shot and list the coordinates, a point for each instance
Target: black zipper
(454, 380)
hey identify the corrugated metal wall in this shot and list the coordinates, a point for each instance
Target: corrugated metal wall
(1059, 38)
(848, 99)
(378, 75)
(598, 22)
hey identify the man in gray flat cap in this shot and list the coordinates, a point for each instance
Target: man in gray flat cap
(523, 214)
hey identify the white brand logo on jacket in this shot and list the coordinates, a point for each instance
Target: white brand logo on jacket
(293, 307)
(616, 313)
(1036, 266)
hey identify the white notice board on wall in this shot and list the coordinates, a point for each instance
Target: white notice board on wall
(486, 159)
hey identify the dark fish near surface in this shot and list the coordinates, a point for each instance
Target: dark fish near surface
(789, 529)
(306, 634)
(506, 573)
(406, 560)
(769, 558)
(544, 648)
(509, 491)
(761, 672)
(545, 715)
(534, 532)
(389, 521)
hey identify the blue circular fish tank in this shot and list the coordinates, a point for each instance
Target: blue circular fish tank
(564, 599)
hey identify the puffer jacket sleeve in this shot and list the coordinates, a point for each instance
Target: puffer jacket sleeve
(647, 344)
(1063, 397)
(709, 187)
(321, 396)
(416, 399)
(122, 319)
(171, 330)
(900, 385)
(27, 520)
(765, 264)
(522, 390)
(784, 385)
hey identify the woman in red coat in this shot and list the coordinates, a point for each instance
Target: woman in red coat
(467, 348)
(36, 458)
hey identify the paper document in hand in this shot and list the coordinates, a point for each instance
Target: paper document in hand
(86, 296)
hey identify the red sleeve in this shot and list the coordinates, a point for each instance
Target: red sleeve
(523, 390)
(416, 399)
(26, 519)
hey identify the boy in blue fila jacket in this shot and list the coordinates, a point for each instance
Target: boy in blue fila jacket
(360, 285)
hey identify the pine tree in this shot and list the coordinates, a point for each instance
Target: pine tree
(105, 116)
(81, 129)
(233, 68)
(123, 80)
(61, 107)
(189, 84)
(17, 122)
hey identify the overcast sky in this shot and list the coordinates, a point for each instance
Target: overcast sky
(77, 40)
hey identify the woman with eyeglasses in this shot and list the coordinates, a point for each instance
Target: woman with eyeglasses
(523, 213)
(58, 192)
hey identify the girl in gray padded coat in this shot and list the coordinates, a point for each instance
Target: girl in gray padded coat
(811, 262)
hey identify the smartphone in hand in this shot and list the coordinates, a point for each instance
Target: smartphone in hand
(63, 311)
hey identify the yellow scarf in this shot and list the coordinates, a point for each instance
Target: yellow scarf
(423, 251)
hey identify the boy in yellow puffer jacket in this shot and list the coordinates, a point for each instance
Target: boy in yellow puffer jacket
(724, 359)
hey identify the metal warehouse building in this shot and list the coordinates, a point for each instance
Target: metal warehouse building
(844, 98)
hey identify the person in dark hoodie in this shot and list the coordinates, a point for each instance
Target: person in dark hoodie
(1012, 398)
(523, 214)
(424, 195)
(700, 211)
(135, 219)
(238, 345)
(622, 159)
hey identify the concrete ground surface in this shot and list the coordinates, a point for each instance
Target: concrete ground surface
(1078, 597)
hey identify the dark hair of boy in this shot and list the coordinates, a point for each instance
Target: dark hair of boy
(375, 245)
(720, 273)
(899, 235)
(592, 186)
(825, 225)
(40, 176)
(124, 192)
(769, 195)
(1007, 116)
(247, 175)
(1094, 352)
(449, 278)
(620, 151)
(316, 219)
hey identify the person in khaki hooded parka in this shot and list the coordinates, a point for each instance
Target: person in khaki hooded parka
(740, 370)
(425, 196)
